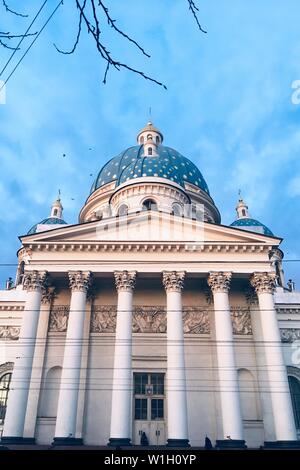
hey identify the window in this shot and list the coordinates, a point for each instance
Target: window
(149, 137)
(150, 151)
(123, 210)
(140, 408)
(149, 205)
(243, 212)
(157, 408)
(55, 212)
(149, 396)
(142, 140)
(157, 139)
(140, 381)
(294, 384)
(157, 380)
(4, 389)
(177, 209)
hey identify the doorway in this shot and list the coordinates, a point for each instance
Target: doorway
(149, 408)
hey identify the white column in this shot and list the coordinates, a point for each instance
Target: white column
(65, 431)
(264, 284)
(219, 283)
(176, 379)
(38, 362)
(121, 415)
(18, 396)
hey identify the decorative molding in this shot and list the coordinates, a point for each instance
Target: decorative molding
(25, 254)
(125, 280)
(9, 332)
(12, 308)
(58, 320)
(289, 335)
(80, 281)
(103, 319)
(196, 321)
(125, 247)
(35, 280)
(288, 310)
(241, 321)
(264, 283)
(219, 281)
(148, 319)
(6, 367)
(173, 281)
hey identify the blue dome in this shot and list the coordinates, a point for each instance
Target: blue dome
(48, 221)
(168, 164)
(252, 225)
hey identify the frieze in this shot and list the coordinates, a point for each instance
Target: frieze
(58, 320)
(241, 321)
(9, 332)
(104, 319)
(148, 319)
(289, 335)
(196, 321)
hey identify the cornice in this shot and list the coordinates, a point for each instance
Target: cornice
(92, 246)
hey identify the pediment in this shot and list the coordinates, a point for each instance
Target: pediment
(146, 227)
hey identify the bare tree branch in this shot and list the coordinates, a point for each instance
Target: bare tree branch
(92, 13)
(10, 36)
(111, 22)
(9, 10)
(92, 23)
(194, 9)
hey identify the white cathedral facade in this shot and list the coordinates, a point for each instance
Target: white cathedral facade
(149, 316)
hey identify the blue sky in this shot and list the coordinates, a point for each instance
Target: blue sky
(228, 108)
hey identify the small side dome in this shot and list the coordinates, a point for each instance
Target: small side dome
(47, 221)
(55, 218)
(245, 222)
(252, 225)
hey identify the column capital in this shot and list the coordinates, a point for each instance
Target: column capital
(80, 281)
(263, 282)
(125, 280)
(35, 280)
(219, 281)
(173, 281)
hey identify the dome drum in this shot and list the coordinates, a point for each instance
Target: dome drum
(134, 195)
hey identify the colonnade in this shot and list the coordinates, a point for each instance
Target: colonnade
(121, 413)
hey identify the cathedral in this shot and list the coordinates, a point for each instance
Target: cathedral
(148, 321)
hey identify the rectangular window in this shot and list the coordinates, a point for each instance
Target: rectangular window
(157, 408)
(140, 408)
(157, 380)
(140, 381)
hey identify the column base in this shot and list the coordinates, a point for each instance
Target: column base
(67, 441)
(281, 445)
(17, 440)
(231, 444)
(119, 442)
(178, 443)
